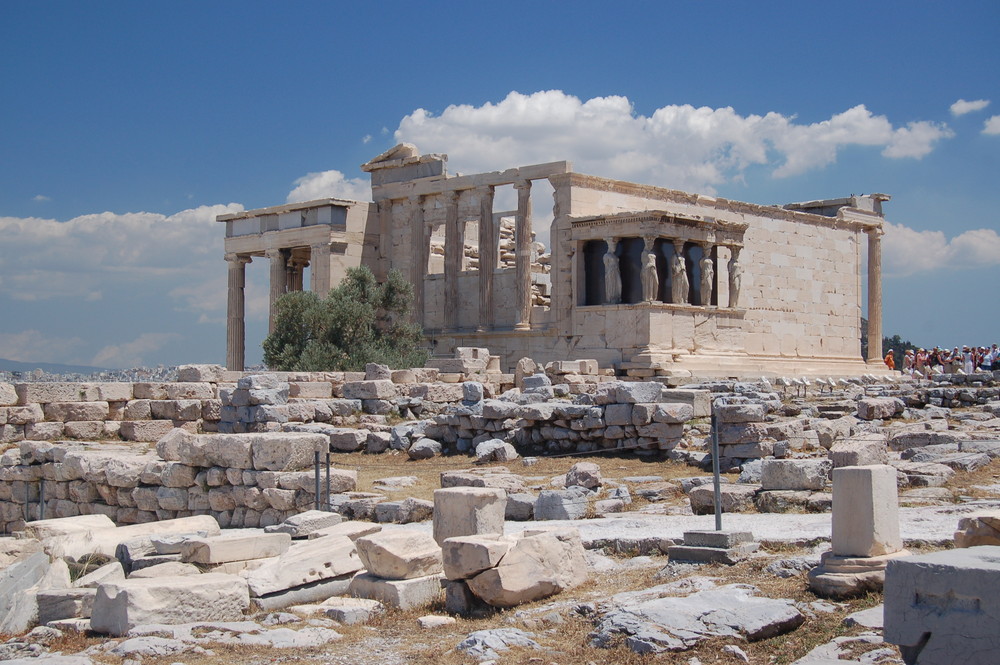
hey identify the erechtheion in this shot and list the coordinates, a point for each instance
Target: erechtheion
(651, 281)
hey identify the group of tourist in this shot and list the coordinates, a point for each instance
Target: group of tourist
(969, 359)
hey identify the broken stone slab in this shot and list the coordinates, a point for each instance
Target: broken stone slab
(173, 543)
(909, 439)
(105, 541)
(314, 592)
(584, 474)
(235, 547)
(400, 555)
(795, 474)
(18, 606)
(63, 526)
(109, 572)
(351, 529)
(728, 547)
(569, 504)
(402, 594)
(922, 474)
(942, 607)
(166, 569)
(963, 461)
(979, 529)
(859, 451)
(351, 611)
(740, 413)
(304, 563)
(304, 524)
(495, 450)
(468, 511)
(56, 604)
(120, 606)
(466, 556)
(879, 408)
(653, 624)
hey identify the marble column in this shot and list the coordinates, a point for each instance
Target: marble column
(418, 267)
(875, 296)
(236, 310)
(279, 280)
(384, 240)
(487, 259)
(707, 265)
(522, 256)
(319, 278)
(296, 270)
(454, 249)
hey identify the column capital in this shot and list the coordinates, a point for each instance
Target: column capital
(273, 253)
(875, 232)
(678, 245)
(522, 184)
(450, 195)
(238, 258)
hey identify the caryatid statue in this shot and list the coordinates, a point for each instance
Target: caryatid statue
(678, 276)
(612, 276)
(707, 266)
(650, 280)
(735, 277)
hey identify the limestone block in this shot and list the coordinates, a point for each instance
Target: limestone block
(47, 392)
(740, 413)
(201, 374)
(878, 408)
(379, 389)
(306, 562)
(405, 511)
(794, 474)
(18, 607)
(424, 448)
(942, 607)
(908, 439)
(25, 415)
(569, 504)
(584, 474)
(981, 529)
(150, 390)
(468, 511)
(8, 396)
(441, 392)
(138, 409)
(106, 541)
(56, 604)
(736, 498)
(538, 565)
(351, 611)
(286, 451)
(88, 430)
(347, 440)
(637, 392)
(310, 389)
(700, 401)
(350, 529)
(402, 594)
(922, 474)
(51, 528)
(239, 546)
(175, 474)
(188, 391)
(495, 450)
(304, 524)
(145, 430)
(120, 606)
(736, 433)
(661, 431)
(122, 470)
(45, 431)
(860, 451)
(166, 569)
(618, 414)
(865, 511)
(400, 555)
(466, 556)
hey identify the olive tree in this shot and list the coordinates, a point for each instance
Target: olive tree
(360, 321)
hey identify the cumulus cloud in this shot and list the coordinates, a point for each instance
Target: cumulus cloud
(676, 146)
(40, 198)
(906, 251)
(329, 184)
(30, 345)
(992, 126)
(46, 259)
(131, 354)
(961, 107)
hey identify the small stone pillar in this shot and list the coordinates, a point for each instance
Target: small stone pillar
(865, 533)
(236, 310)
(468, 511)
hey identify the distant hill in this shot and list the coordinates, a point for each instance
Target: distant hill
(50, 368)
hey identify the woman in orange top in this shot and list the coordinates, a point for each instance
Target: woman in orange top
(889, 361)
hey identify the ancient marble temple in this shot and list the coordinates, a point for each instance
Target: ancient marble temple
(651, 281)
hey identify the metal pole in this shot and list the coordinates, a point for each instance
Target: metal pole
(715, 471)
(316, 470)
(41, 499)
(327, 506)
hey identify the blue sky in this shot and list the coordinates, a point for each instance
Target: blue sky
(126, 127)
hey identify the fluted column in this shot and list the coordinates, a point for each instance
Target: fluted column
(296, 270)
(319, 278)
(236, 309)
(875, 296)
(384, 239)
(522, 255)
(279, 280)
(487, 259)
(454, 248)
(418, 269)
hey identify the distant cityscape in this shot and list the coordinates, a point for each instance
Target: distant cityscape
(53, 373)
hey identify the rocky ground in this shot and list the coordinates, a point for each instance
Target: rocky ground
(638, 605)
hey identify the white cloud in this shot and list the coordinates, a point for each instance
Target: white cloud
(906, 251)
(30, 345)
(992, 126)
(40, 198)
(961, 107)
(676, 146)
(367, 138)
(329, 184)
(132, 354)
